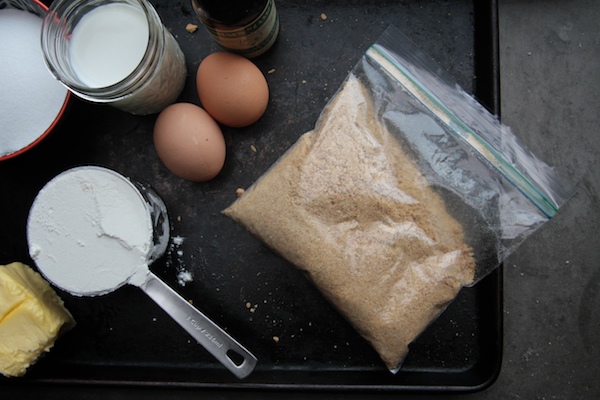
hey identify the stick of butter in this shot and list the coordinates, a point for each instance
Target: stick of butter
(32, 316)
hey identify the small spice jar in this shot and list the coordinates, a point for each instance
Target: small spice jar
(245, 27)
(115, 52)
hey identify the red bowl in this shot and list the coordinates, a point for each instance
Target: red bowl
(38, 8)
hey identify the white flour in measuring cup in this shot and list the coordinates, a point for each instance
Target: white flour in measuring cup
(90, 231)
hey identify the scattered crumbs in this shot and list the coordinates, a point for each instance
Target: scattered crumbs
(271, 71)
(303, 81)
(191, 301)
(180, 253)
(566, 262)
(154, 319)
(183, 277)
(178, 240)
(191, 28)
(276, 339)
(248, 305)
(179, 218)
(253, 148)
(528, 53)
(323, 17)
(239, 191)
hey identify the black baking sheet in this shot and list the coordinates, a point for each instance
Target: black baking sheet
(300, 341)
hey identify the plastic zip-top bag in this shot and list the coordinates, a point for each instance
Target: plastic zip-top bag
(406, 191)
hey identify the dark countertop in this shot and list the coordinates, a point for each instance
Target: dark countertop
(550, 70)
(549, 66)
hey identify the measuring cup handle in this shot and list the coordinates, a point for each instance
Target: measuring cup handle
(222, 346)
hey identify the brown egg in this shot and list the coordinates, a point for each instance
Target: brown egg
(189, 142)
(232, 89)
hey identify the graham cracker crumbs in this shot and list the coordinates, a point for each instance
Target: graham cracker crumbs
(348, 206)
(191, 28)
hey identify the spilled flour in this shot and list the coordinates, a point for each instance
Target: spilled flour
(183, 275)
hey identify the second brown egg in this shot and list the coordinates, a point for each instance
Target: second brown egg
(189, 142)
(232, 89)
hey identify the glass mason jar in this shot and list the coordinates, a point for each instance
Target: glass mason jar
(152, 84)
